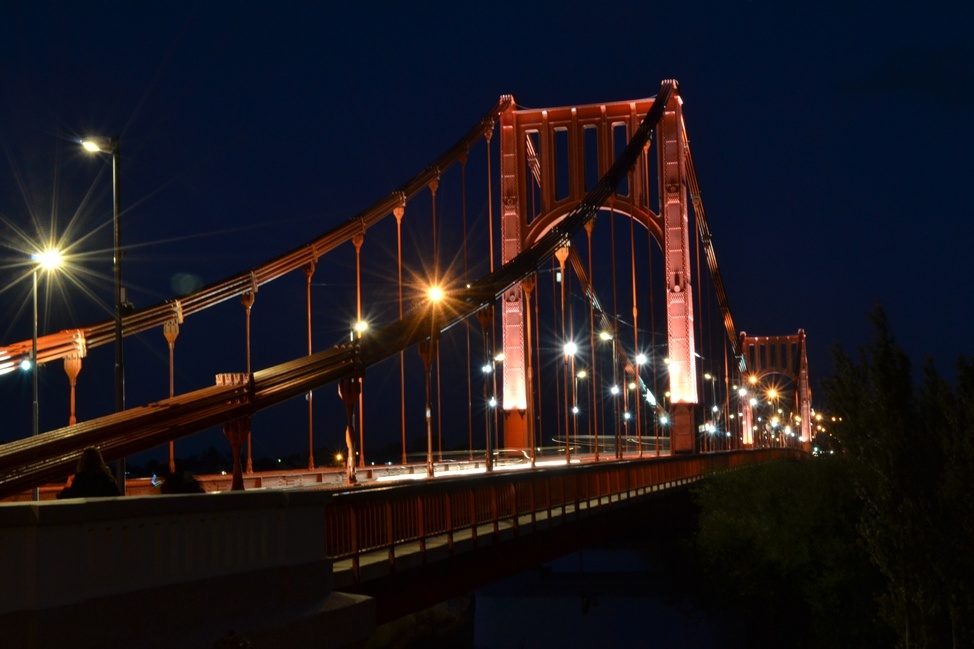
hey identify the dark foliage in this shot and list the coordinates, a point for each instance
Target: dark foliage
(911, 449)
(778, 545)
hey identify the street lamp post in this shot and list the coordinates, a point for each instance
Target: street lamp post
(486, 318)
(111, 146)
(428, 355)
(582, 374)
(47, 260)
(35, 420)
(640, 361)
(570, 349)
(614, 389)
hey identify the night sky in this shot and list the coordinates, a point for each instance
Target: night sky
(830, 143)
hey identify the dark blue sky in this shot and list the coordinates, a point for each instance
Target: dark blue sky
(831, 142)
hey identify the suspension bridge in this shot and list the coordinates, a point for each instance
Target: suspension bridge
(575, 351)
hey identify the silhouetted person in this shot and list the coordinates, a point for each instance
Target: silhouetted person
(92, 477)
(181, 482)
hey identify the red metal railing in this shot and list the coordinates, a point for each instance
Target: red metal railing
(386, 519)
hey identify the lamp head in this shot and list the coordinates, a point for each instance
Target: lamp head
(99, 144)
(48, 259)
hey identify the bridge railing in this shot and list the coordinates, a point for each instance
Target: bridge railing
(386, 520)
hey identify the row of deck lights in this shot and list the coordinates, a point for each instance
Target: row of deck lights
(571, 348)
(435, 295)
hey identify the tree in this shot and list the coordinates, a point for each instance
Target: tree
(778, 543)
(910, 451)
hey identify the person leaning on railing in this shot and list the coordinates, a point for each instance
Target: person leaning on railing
(92, 478)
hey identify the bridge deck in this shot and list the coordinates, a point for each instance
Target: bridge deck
(260, 552)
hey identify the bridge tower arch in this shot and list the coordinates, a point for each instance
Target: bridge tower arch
(784, 355)
(545, 157)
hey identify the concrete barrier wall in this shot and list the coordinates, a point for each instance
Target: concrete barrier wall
(54, 554)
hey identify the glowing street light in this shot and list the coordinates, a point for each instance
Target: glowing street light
(111, 146)
(570, 350)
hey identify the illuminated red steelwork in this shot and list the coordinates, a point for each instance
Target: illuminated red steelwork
(528, 154)
(528, 144)
(386, 520)
(784, 355)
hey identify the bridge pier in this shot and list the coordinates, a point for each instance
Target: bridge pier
(515, 429)
(682, 429)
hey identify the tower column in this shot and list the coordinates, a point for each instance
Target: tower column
(512, 331)
(679, 290)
